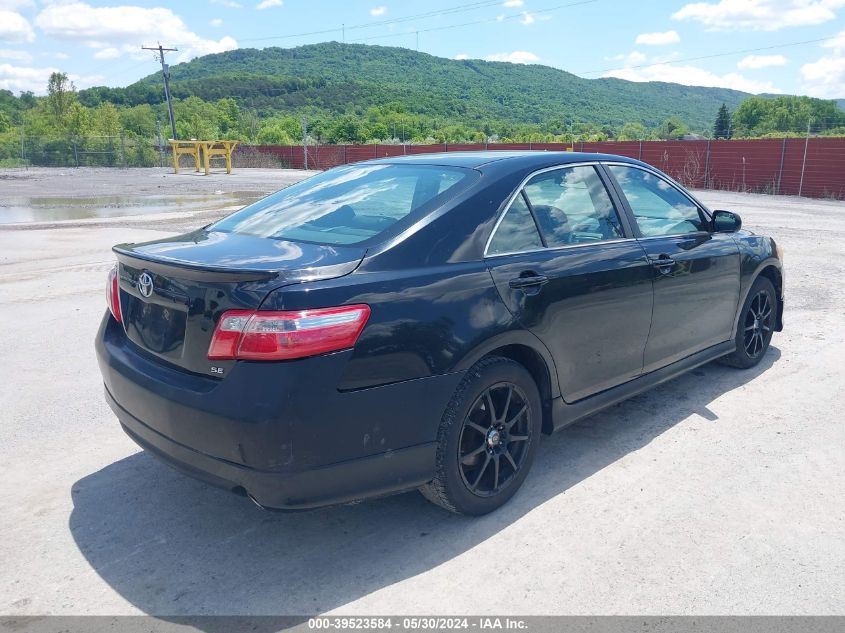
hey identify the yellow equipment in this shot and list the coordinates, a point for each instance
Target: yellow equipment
(202, 152)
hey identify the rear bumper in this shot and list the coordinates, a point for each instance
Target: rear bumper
(279, 432)
(394, 471)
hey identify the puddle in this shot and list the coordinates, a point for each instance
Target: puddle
(23, 210)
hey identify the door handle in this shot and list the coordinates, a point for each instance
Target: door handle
(664, 264)
(528, 281)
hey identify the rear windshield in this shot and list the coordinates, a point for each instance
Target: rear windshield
(348, 204)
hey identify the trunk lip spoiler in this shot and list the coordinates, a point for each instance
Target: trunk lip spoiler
(195, 271)
(192, 270)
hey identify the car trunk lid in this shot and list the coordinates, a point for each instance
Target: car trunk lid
(173, 291)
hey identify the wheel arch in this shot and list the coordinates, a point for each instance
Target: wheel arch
(525, 349)
(771, 269)
(775, 275)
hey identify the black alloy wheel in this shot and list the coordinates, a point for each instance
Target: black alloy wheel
(494, 440)
(759, 319)
(755, 326)
(487, 439)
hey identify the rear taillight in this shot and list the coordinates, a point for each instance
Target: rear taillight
(248, 335)
(113, 294)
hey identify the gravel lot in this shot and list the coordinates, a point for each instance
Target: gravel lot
(721, 492)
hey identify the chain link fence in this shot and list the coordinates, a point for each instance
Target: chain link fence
(87, 151)
(122, 151)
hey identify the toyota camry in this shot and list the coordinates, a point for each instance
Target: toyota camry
(420, 322)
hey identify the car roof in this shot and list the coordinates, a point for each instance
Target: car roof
(477, 159)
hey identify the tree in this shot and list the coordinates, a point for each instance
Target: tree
(274, 134)
(196, 119)
(634, 132)
(107, 119)
(27, 99)
(250, 123)
(78, 120)
(347, 129)
(673, 128)
(760, 116)
(60, 94)
(139, 121)
(722, 127)
(228, 116)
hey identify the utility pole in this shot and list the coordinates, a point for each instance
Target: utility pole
(804, 162)
(305, 140)
(160, 144)
(418, 40)
(343, 31)
(165, 70)
(23, 140)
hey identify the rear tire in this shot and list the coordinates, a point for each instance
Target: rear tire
(488, 438)
(755, 327)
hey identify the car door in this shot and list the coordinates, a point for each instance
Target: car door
(695, 271)
(566, 265)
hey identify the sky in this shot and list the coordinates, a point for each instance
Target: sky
(758, 46)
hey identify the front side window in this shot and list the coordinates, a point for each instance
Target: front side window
(572, 206)
(347, 205)
(659, 207)
(516, 232)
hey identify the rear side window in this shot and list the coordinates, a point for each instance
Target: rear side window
(349, 204)
(659, 208)
(572, 206)
(516, 232)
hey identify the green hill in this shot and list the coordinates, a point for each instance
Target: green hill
(339, 78)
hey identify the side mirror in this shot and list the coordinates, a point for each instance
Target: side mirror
(726, 222)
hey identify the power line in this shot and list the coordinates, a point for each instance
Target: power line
(419, 16)
(165, 70)
(475, 22)
(714, 55)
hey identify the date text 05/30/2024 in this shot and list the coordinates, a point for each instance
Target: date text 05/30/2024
(417, 624)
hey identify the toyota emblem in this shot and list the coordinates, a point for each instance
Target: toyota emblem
(145, 284)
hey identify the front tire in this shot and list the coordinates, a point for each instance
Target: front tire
(755, 327)
(487, 439)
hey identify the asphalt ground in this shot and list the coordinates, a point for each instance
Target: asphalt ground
(720, 492)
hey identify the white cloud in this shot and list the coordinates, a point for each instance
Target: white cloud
(86, 81)
(126, 28)
(227, 3)
(12, 5)
(510, 4)
(378, 11)
(693, 76)
(20, 78)
(658, 39)
(267, 4)
(500, 18)
(516, 57)
(18, 56)
(461, 56)
(825, 77)
(216, 22)
(759, 15)
(15, 28)
(634, 58)
(109, 52)
(61, 55)
(754, 62)
(527, 18)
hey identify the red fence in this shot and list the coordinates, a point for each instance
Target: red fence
(794, 166)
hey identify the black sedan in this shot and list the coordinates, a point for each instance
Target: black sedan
(419, 322)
